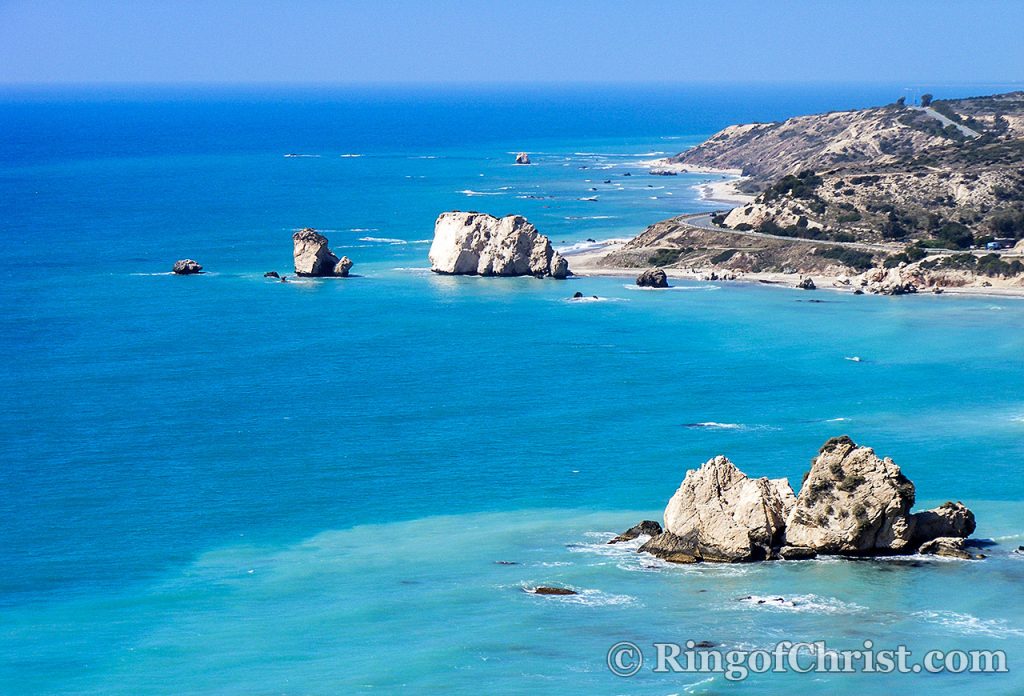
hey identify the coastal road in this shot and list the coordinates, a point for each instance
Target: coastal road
(703, 221)
(970, 133)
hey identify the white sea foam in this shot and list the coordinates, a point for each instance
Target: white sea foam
(585, 597)
(356, 229)
(712, 425)
(836, 420)
(471, 192)
(295, 154)
(349, 155)
(673, 287)
(383, 240)
(808, 603)
(968, 625)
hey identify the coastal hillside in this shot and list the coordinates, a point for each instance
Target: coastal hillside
(939, 187)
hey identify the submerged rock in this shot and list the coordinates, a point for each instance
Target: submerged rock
(719, 514)
(852, 502)
(522, 158)
(647, 527)
(952, 547)
(652, 278)
(480, 244)
(313, 258)
(186, 267)
(543, 590)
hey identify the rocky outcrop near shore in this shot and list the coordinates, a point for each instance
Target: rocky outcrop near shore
(522, 158)
(652, 278)
(313, 258)
(851, 503)
(468, 243)
(186, 267)
(719, 514)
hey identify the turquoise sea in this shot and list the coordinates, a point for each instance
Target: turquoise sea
(224, 484)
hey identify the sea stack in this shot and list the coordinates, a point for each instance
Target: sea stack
(852, 503)
(480, 244)
(522, 158)
(186, 267)
(314, 259)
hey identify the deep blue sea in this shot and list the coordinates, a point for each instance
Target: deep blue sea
(224, 484)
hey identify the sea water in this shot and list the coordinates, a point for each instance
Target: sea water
(229, 484)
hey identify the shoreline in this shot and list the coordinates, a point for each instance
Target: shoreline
(725, 191)
(583, 265)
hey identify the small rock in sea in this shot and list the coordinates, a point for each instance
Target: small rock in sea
(1020, 549)
(577, 296)
(627, 174)
(592, 241)
(937, 291)
(705, 644)
(284, 279)
(858, 291)
(807, 284)
(543, 590)
(648, 527)
(652, 278)
(271, 274)
(186, 267)
(506, 562)
(522, 158)
(607, 181)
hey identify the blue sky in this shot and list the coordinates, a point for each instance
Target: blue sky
(357, 41)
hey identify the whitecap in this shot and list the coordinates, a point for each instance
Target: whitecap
(383, 240)
(968, 625)
(296, 154)
(357, 229)
(674, 287)
(712, 425)
(589, 598)
(349, 155)
(809, 603)
(471, 192)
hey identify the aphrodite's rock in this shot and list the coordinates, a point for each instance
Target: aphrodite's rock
(719, 514)
(652, 278)
(186, 267)
(948, 520)
(807, 284)
(852, 502)
(647, 527)
(313, 258)
(480, 244)
(952, 547)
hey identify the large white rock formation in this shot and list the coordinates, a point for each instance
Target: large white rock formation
(481, 244)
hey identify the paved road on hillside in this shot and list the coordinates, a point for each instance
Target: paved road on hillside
(703, 221)
(947, 121)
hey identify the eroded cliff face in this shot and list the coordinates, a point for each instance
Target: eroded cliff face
(468, 243)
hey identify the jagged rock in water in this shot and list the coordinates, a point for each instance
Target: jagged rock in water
(543, 590)
(271, 274)
(796, 553)
(719, 514)
(314, 258)
(948, 520)
(652, 278)
(647, 527)
(343, 266)
(807, 284)
(852, 502)
(186, 267)
(479, 244)
(953, 547)
(522, 158)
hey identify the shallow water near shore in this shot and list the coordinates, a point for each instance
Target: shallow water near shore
(227, 483)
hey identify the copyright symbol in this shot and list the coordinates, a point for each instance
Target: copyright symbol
(625, 659)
